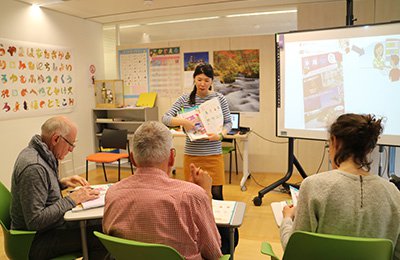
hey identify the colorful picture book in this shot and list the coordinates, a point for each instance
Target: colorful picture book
(207, 118)
(277, 207)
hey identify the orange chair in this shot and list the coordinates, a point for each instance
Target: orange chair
(111, 138)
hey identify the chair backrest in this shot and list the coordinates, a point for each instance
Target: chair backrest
(16, 243)
(228, 145)
(114, 138)
(5, 201)
(227, 140)
(125, 249)
(306, 245)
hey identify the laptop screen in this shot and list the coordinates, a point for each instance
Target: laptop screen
(235, 117)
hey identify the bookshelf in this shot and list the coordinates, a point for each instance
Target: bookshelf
(123, 118)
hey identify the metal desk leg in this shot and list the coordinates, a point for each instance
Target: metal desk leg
(85, 253)
(232, 241)
(245, 164)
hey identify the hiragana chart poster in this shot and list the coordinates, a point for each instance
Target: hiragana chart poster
(133, 70)
(165, 71)
(35, 79)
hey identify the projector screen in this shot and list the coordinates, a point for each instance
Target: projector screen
(322, 74)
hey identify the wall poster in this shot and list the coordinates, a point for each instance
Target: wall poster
(36, 79)
(165, 71)
(237, 76)
(191, 59)
(133, 70)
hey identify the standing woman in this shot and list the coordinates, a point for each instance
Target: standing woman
(205, 153)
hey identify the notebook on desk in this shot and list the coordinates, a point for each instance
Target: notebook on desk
(223, 211)
(99, 202)
(235, 118)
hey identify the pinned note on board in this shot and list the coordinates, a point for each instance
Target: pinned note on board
(146, 99)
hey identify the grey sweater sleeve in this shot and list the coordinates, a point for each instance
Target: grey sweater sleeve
(305, 215)
(41, 201)
(285, 231)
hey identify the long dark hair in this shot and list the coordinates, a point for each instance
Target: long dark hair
(356, 137)
(205, 69)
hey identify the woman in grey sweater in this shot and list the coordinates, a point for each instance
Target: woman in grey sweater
(348, 200)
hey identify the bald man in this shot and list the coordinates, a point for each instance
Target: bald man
(37, 203)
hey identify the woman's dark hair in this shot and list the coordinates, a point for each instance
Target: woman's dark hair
(356, 136)
(205, 69)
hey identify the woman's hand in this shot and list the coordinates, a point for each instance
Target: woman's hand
(187, 125)
(289, 211)
(74, 181)
(214, 137)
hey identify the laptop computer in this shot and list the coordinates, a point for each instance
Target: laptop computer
(235, 118)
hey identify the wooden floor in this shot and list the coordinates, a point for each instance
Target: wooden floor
(258, 224)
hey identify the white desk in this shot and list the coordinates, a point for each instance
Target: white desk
(244, 139)
(97, 213)
(236, 222)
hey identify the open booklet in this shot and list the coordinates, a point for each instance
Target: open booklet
(207, 118)
(99, 202)
(223, 211)
(277, 207)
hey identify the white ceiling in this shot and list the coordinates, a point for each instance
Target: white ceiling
(137, 12)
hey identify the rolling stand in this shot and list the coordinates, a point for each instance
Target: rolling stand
(380, 166)
(291, 160)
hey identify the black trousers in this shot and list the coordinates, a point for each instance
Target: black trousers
(67, 239)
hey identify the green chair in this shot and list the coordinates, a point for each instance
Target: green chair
(314, 246)
(125, 249)
(229, 148)
(17, 243)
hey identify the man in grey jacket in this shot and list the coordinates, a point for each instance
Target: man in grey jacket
(37, 203)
